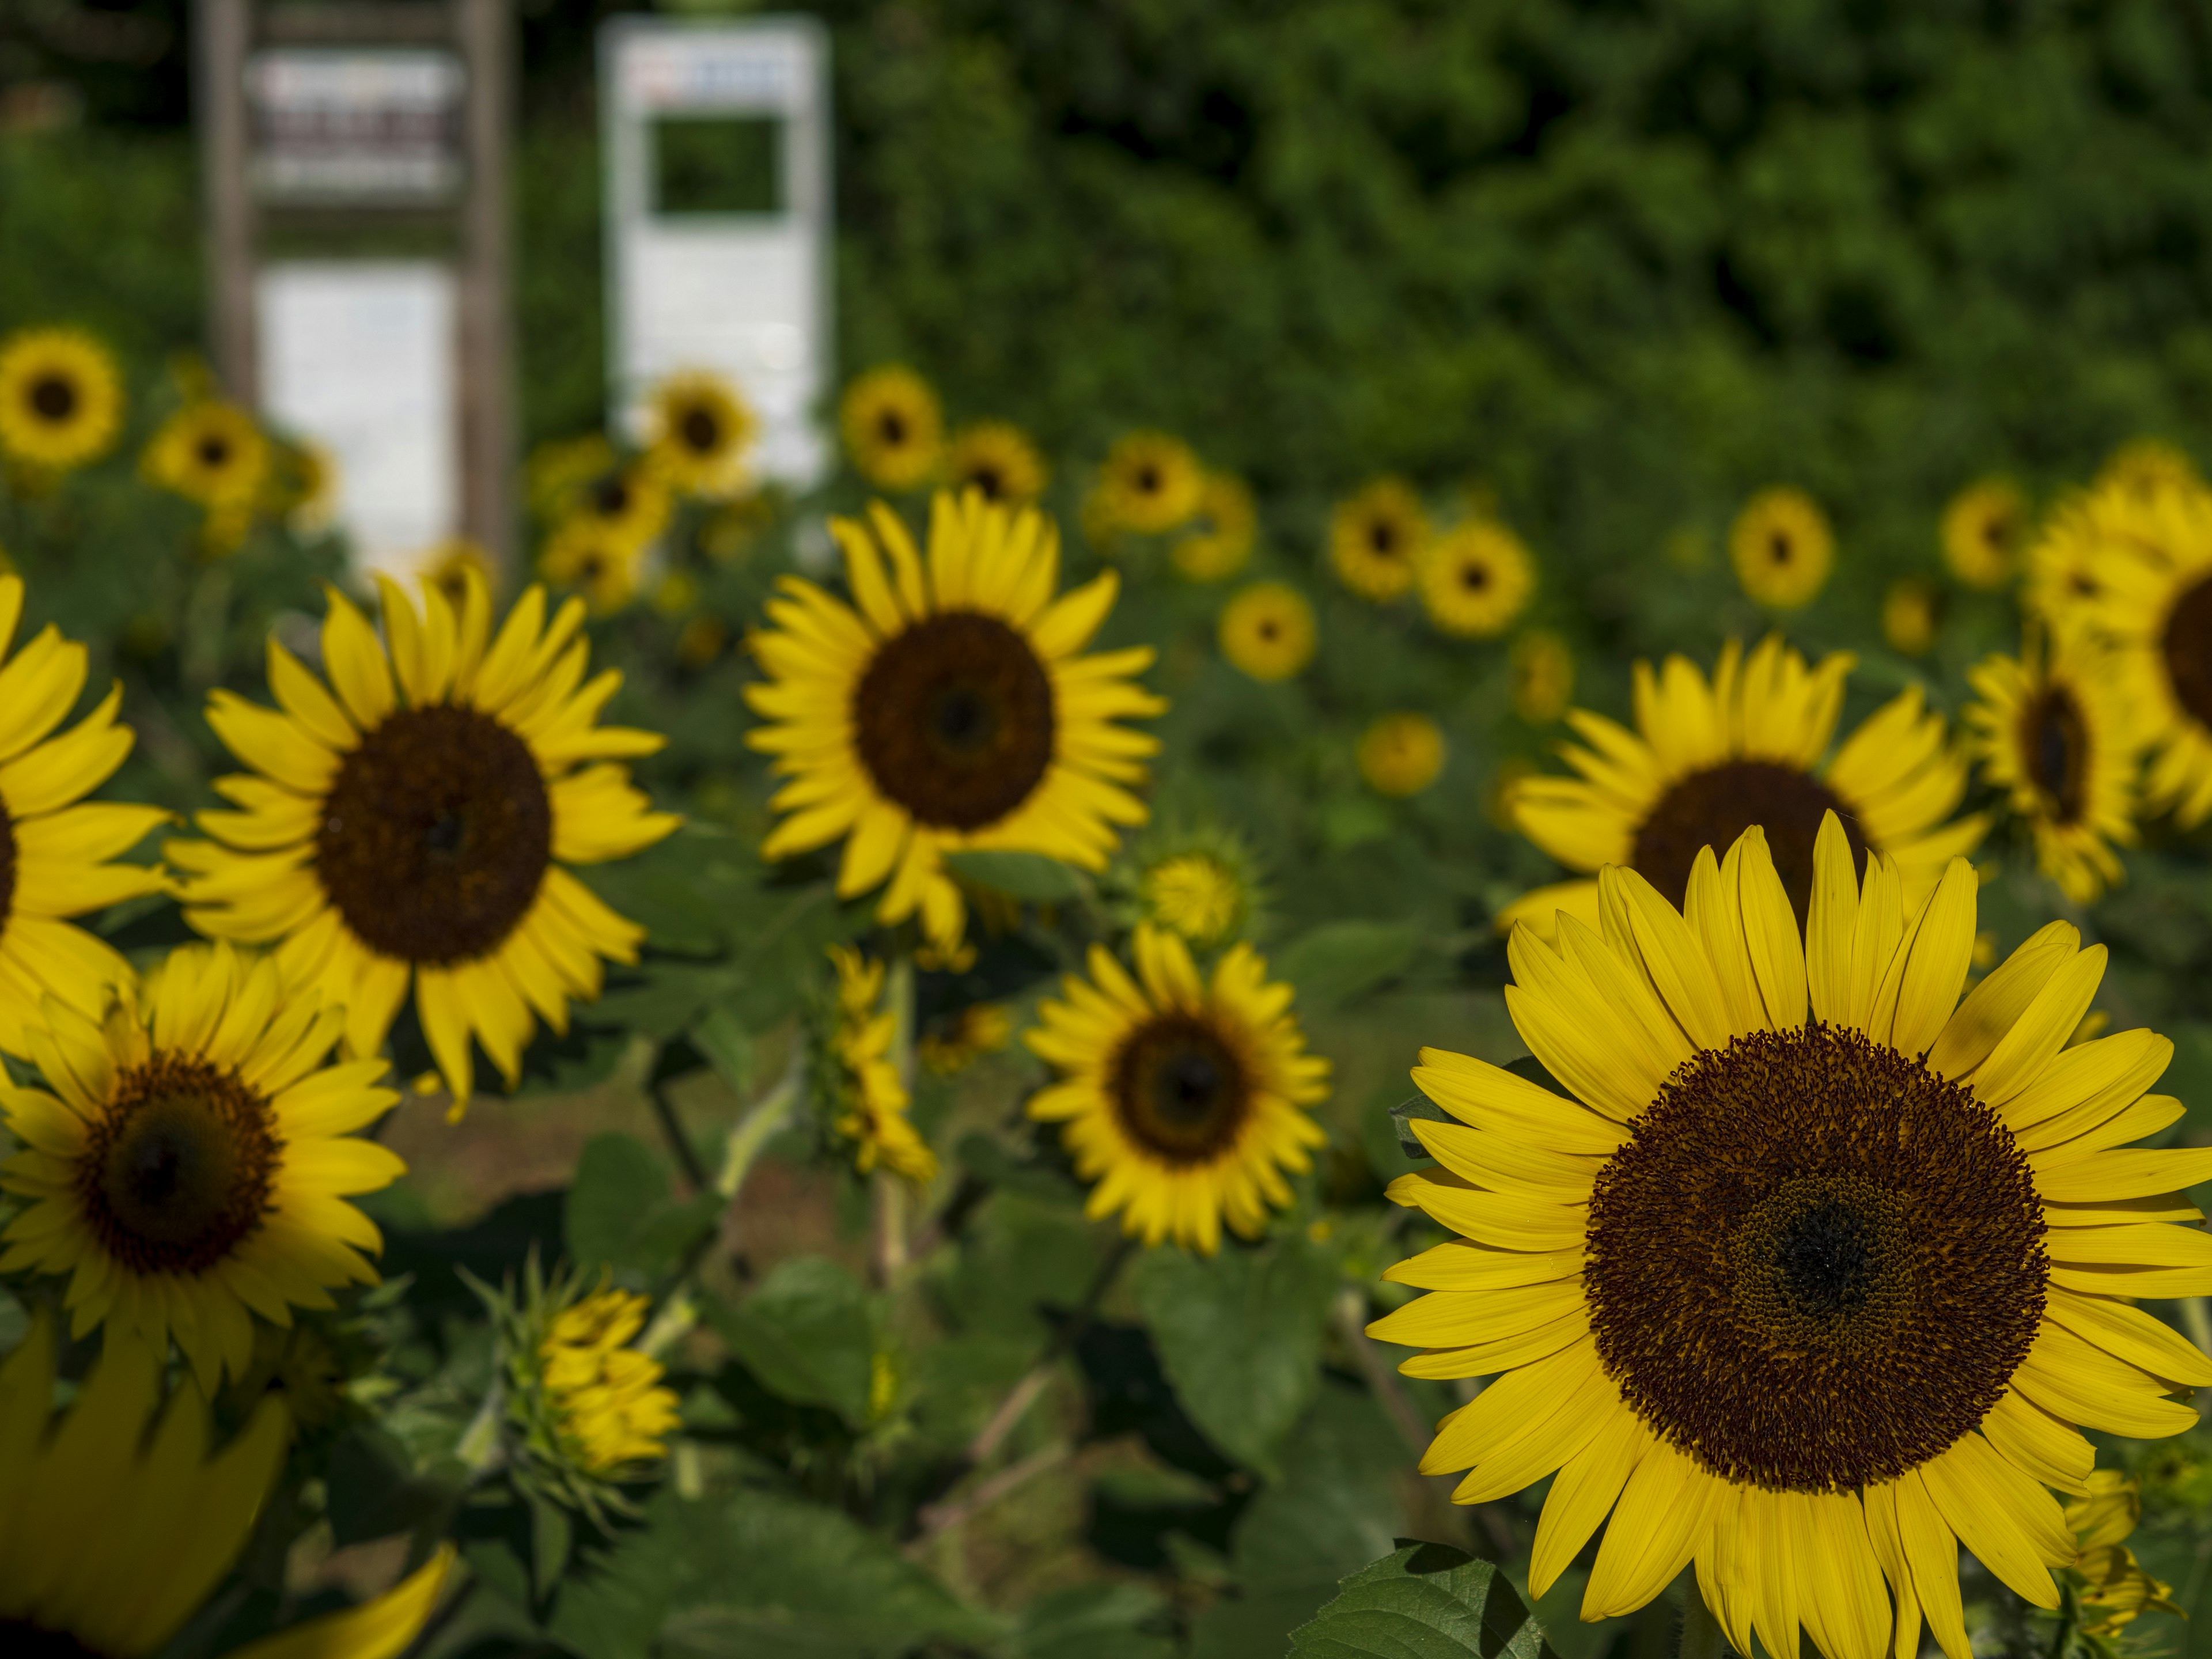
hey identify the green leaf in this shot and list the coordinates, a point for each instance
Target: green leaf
(1423, 1601)
(805, 1334)
(1094, 1621)
(1402, 1116)
(721, 1037)
(550, 1536)
(1335, 963)
(1239, 1335)
(619, 1214)
(1029, 876)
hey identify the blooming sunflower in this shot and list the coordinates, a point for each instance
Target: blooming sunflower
(951, 709)
(606, 1395)
(997, 457)
(1983, 529)
(970, 1033)
(1231, 525)
(1707, 760)
(1809, 1303)
(60, 399)
(2054, 730)
(1476, 579)
(416, 832)
(629, 505)
(1376, 538)
(894, 428)
(560, 469)
(1543, 677)
(697, 431)
(1268, 630)
(873, 1099)
(1149, 483)
(1401, 754)
(596, 559)
(1909, 616)
(2143, 469)
(446, 566)
(188, 1167)
(119, 1525)
(1183, 1100)
(211, 453)
(1781, 548)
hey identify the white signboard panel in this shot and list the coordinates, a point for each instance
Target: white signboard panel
(717, 142)
(358, 356)
(356, 125)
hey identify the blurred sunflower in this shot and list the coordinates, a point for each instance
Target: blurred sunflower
(697, 432)
(599, 562)
(1199, 880)
(872, 1101)
(560, 469)
(410, 823)
(978, 1029)
(1476, 579)
(119, 1525)
(1401, 754)
(894, 428)
(447, 566)
(60, 399)
(1909, 614)
(211, 453)
(1268, 630)
(1543, 677)
(190, 1168)
(1376, 538)
(605, 1396)
(2144, 469)
(306, 493)
(951, 709)
(1781, 548)
(2068, 562)
(997, 457)
(1184, 1100)
(2115, 1588)
(1149, 483)
(1231, 526)
(1724, 1268)
(1709, 760)
(2054, 730)
(630, 505)
(1983, 529)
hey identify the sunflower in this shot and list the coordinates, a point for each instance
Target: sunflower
(1910, 615)
(1231, 526)
(1268, 630)
(2144, 469)
(872, 1098)
(1476, 579)
(1183, 1100)
(1709, 760)
(1376, 538)
(1781, 548)
(606, 1395)
(1401, 754)
(970, 1034)
(60, 399)
(697, 432)
(629, 505)
(119, 1525)
(2116, 1590)
(1194, 895)
(894, 428)
(1150, 482)
(211, 453)
(1808, 1303)
(2054, 730)
(418, 832)
(951, 709)
(561, 469)
(446, 566)
(189, 1168)
(1983, 529)
(600, 561)
(1543, 677)
(2068, 564)
(997, 457)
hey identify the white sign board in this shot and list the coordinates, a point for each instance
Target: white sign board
(717, 144)
(356, 125)
(357, 357)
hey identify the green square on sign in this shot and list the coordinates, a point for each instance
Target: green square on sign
(718, 164)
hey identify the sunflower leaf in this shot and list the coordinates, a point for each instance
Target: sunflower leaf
(1031, 877)
(1337, 961)
(1423, 1601)
(806, 1335)
(1402, 1116)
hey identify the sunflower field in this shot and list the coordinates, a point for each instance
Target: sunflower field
(1454, 898)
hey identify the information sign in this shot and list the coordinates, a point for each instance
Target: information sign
(356, 126)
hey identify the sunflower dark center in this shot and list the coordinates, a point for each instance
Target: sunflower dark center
(1384, 539)
(436, 835)
(1712, 808)
(890, 427)
(1179, 1090)
(180, 1167)
(611, 497)
(53, 397)
(214, 452)
(1148, 480)
(954, 720)
(985, 478)
(2056, 741)
(593, 566)
(1815, 1264)
(1474, 577)
(700, 430)
(2188, 649)
(1777, 548)
(22, 1639)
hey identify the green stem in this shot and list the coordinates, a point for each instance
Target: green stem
(1701, 1631)
(759, 1126)
(2196, 1316)
(888, 1195)
(672, 1131)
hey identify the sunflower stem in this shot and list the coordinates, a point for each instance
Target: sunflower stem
(672, 1131)
(1701, 1631)
(888, 1192)
(2196, 1317)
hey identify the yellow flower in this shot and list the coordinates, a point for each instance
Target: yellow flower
(446, 566)
(119, 1524)
(997, 457)
(1183, 1100)
(606, 1395)
(189, 1167)
(1721, 1270)
(980, 1029)
(894, 428)
(1709, 760)
(2116, 1589)
(953, 708)
(1543, 677)
(309, 500)
(1150, 482)
(597, 559)
(1909, 616)
(212, 453)
(1983, 529)
(1376, 538)
(1781, 548)
(61, 397)
(1476, 579)
(697, 432)
(2143, 469)
(409, 824)
(1268, 630)
(561, 469)
(2107, 1510)
(629, 508)
(1401, 754)
(1223, 547)
(2053, 730)
(1196, 895)
(874, 1117)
